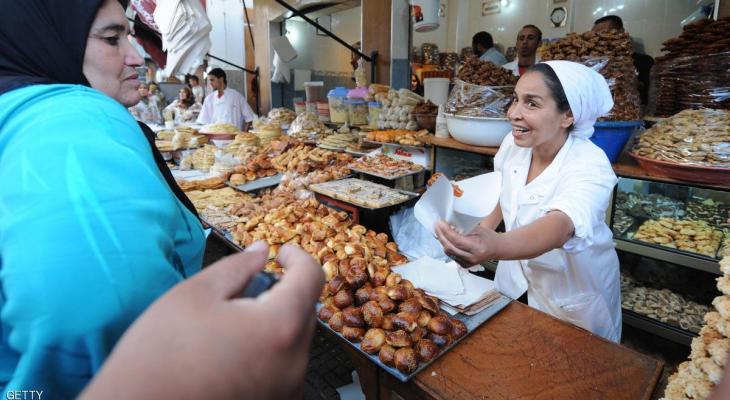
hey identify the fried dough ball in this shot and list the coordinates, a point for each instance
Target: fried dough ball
(373, 341)
(406, 360)
(426, 350)
(440, 325)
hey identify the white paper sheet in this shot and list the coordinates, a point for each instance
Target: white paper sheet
(480, 197)
(447, 281)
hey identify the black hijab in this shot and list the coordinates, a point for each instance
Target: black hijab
(43, 42)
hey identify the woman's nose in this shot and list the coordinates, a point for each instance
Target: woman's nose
(515, 111)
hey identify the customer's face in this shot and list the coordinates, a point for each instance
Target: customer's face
(527, 42)
(110, 59)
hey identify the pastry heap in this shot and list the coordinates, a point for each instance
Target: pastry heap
(610, 53)
(702, 50)
(485, 73)
(699, 137)
(697, 377)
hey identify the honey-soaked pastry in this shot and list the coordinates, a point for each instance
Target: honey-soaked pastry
(237, 179)
(406, 360)
(440, 340)
(337, 321)
(410, 306)
(353, 317)
(353, 334)
(440, 325)
(458, 329)
(423, 318)
(373, 314)
(387, 355)
(399, 338)
(385, 303)
(408, 285)
(405, 321)
(428, 303)
(326, 312)
(418, 334)
(387, 323)
(343, 299)
(393, 279)
(397, 293)
(362, 295)
(426, 350)
(330, 270)
(380, 277)
(356, 277)
(373, 341)
(335, 285)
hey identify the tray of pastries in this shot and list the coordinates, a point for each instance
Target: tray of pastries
(398, 327)
(687, 235)
(385, 167)
(362, 193)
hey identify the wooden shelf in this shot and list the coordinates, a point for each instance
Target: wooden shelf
(450, 143)
(628, 168)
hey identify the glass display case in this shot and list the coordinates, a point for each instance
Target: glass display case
(665, 232)
(677, 223)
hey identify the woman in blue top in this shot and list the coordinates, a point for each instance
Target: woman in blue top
(91, 230)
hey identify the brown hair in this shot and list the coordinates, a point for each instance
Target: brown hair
(189, 99)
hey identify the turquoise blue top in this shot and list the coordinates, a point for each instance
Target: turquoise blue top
(90, 235)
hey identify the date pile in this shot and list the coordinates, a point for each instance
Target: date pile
(610, 53)
(485, 73)
(694, 73)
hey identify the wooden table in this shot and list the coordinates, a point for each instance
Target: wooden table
(522, 353)
(450, 143)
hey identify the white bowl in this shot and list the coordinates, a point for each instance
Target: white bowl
(478, 131)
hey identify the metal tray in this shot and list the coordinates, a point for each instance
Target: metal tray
(339, 196)
(388, 177)
(471, 322)
(421, 146)
(258, 183)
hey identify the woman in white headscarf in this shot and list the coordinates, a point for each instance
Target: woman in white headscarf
(556, 186)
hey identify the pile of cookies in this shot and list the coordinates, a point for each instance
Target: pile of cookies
(485, 73)
(697, 377)
(339, 140)
(702, 50)
(610, 53)
(687, 235)
(700, 137)
(400, 136)
(662, 305)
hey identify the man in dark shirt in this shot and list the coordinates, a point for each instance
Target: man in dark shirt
(642, 62)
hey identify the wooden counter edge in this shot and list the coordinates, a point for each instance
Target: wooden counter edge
(450, 143)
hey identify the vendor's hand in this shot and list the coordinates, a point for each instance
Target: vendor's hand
(474, 248)
(200, 341)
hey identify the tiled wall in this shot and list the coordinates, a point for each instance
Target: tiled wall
(650, 22)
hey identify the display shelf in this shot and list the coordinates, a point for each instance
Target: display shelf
(657, 328)
(450, 143)
(675, 257)
(628, 168)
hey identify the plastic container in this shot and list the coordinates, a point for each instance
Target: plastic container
(611, 136)
(358, 112)
(436, 90)
(323, 111)
(314, 91)
(299, 107)
(338, 109)
(425, 15)
(311, 107)
(374, 108)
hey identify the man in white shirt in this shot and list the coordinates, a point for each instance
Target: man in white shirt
(198, 91)
(528, 40)
(224, 105)
(483, 46)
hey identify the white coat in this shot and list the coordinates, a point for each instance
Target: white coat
(515, 67)
(231, 108)
(579, 282)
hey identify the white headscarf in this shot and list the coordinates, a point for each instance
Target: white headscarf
(587, 92)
